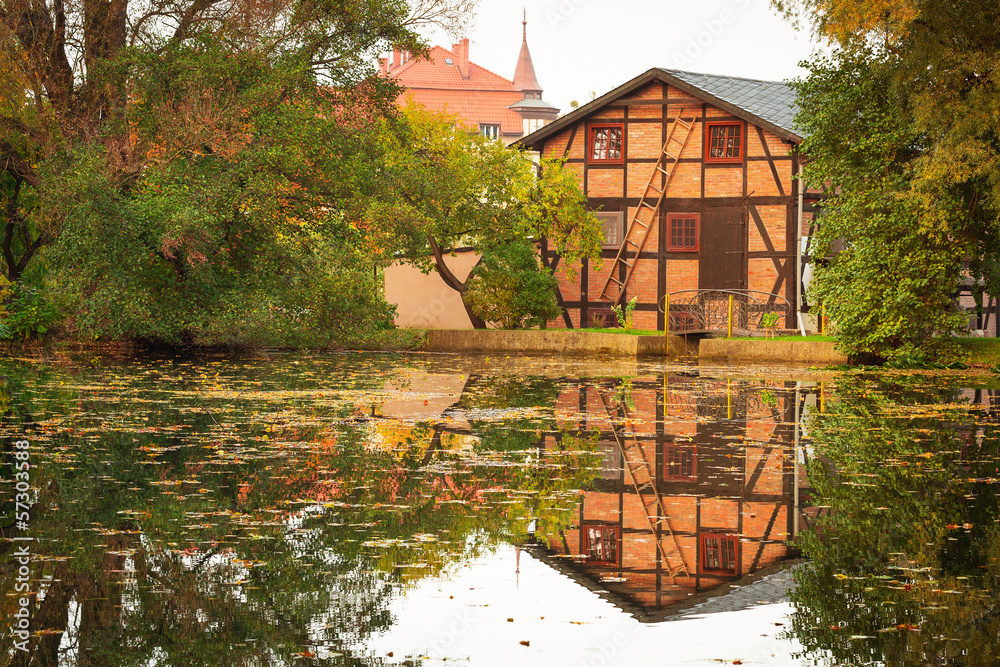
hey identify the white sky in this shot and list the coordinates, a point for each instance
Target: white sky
(580, 46)
(462, 620)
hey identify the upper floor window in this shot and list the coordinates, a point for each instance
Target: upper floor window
(606, 143)
(724, 142)
(490, 130)
(533, 124)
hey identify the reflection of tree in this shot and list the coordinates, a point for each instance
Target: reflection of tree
(252, 534)
(905, 563)
(497, 394)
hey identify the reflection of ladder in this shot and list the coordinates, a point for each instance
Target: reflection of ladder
(644, 481)
(646, 214)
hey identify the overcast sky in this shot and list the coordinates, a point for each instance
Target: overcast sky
(584, 46)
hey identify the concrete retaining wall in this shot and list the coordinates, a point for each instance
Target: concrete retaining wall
(770, 351)
(563, 342)
(551, 341)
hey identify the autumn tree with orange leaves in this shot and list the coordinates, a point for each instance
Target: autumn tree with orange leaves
(901, 119)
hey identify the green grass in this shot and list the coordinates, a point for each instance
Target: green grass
(627, 332)
(648, 332)
(982, 351)
(815, 337)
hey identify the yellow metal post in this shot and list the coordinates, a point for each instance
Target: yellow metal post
(730, 316)
(666, 325)
(729, 396)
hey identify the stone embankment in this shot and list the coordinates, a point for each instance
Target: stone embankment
(563, 342)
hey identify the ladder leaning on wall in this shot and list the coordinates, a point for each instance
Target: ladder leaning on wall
(643, 480)
(647, 212)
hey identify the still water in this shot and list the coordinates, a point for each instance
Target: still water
(382, 509)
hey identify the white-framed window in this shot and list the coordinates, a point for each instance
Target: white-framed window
(490, 130)
(532, 125)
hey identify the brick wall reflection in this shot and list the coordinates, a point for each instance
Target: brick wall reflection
(719, 458)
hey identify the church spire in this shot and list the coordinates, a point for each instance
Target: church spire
(524, 75)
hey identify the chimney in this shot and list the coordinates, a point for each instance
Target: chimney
(397, 58)
(461, 51)
(383, 65)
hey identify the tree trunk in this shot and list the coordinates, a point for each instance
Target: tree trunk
(451, 281)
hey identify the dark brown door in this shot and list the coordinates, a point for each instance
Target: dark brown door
(722, 264)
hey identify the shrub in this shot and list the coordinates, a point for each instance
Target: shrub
(26, 313)
(508, 288)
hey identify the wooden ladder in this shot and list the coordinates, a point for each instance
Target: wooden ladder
(644, 480)
(638, 228)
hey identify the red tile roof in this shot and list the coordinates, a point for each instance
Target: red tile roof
(436, 73)
(474, 108)
(481, 98)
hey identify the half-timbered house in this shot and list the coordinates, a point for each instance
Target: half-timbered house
(702, 486)
(694, 178)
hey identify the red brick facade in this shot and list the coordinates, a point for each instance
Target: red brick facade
(740, 486)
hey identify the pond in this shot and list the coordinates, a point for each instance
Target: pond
(387, 509)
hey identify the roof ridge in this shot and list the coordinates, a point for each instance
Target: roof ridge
(447, 52)
(721, 76)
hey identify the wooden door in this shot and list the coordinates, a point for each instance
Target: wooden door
(722, 262)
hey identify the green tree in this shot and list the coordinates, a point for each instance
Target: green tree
(195, 171)
(509, 289)
(889, 289)
(451, 186)
(898, 125)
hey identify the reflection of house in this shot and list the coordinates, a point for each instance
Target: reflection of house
(497, 107)
(692, 176)
(698, 490)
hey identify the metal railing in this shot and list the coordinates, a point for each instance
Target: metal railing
(744, 312)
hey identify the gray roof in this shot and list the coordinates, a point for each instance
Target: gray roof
(774, 101)
(767, 104)
(532, 104)
(742, 593)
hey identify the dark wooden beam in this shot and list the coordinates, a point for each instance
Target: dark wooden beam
(767, 535)
(770, 161)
